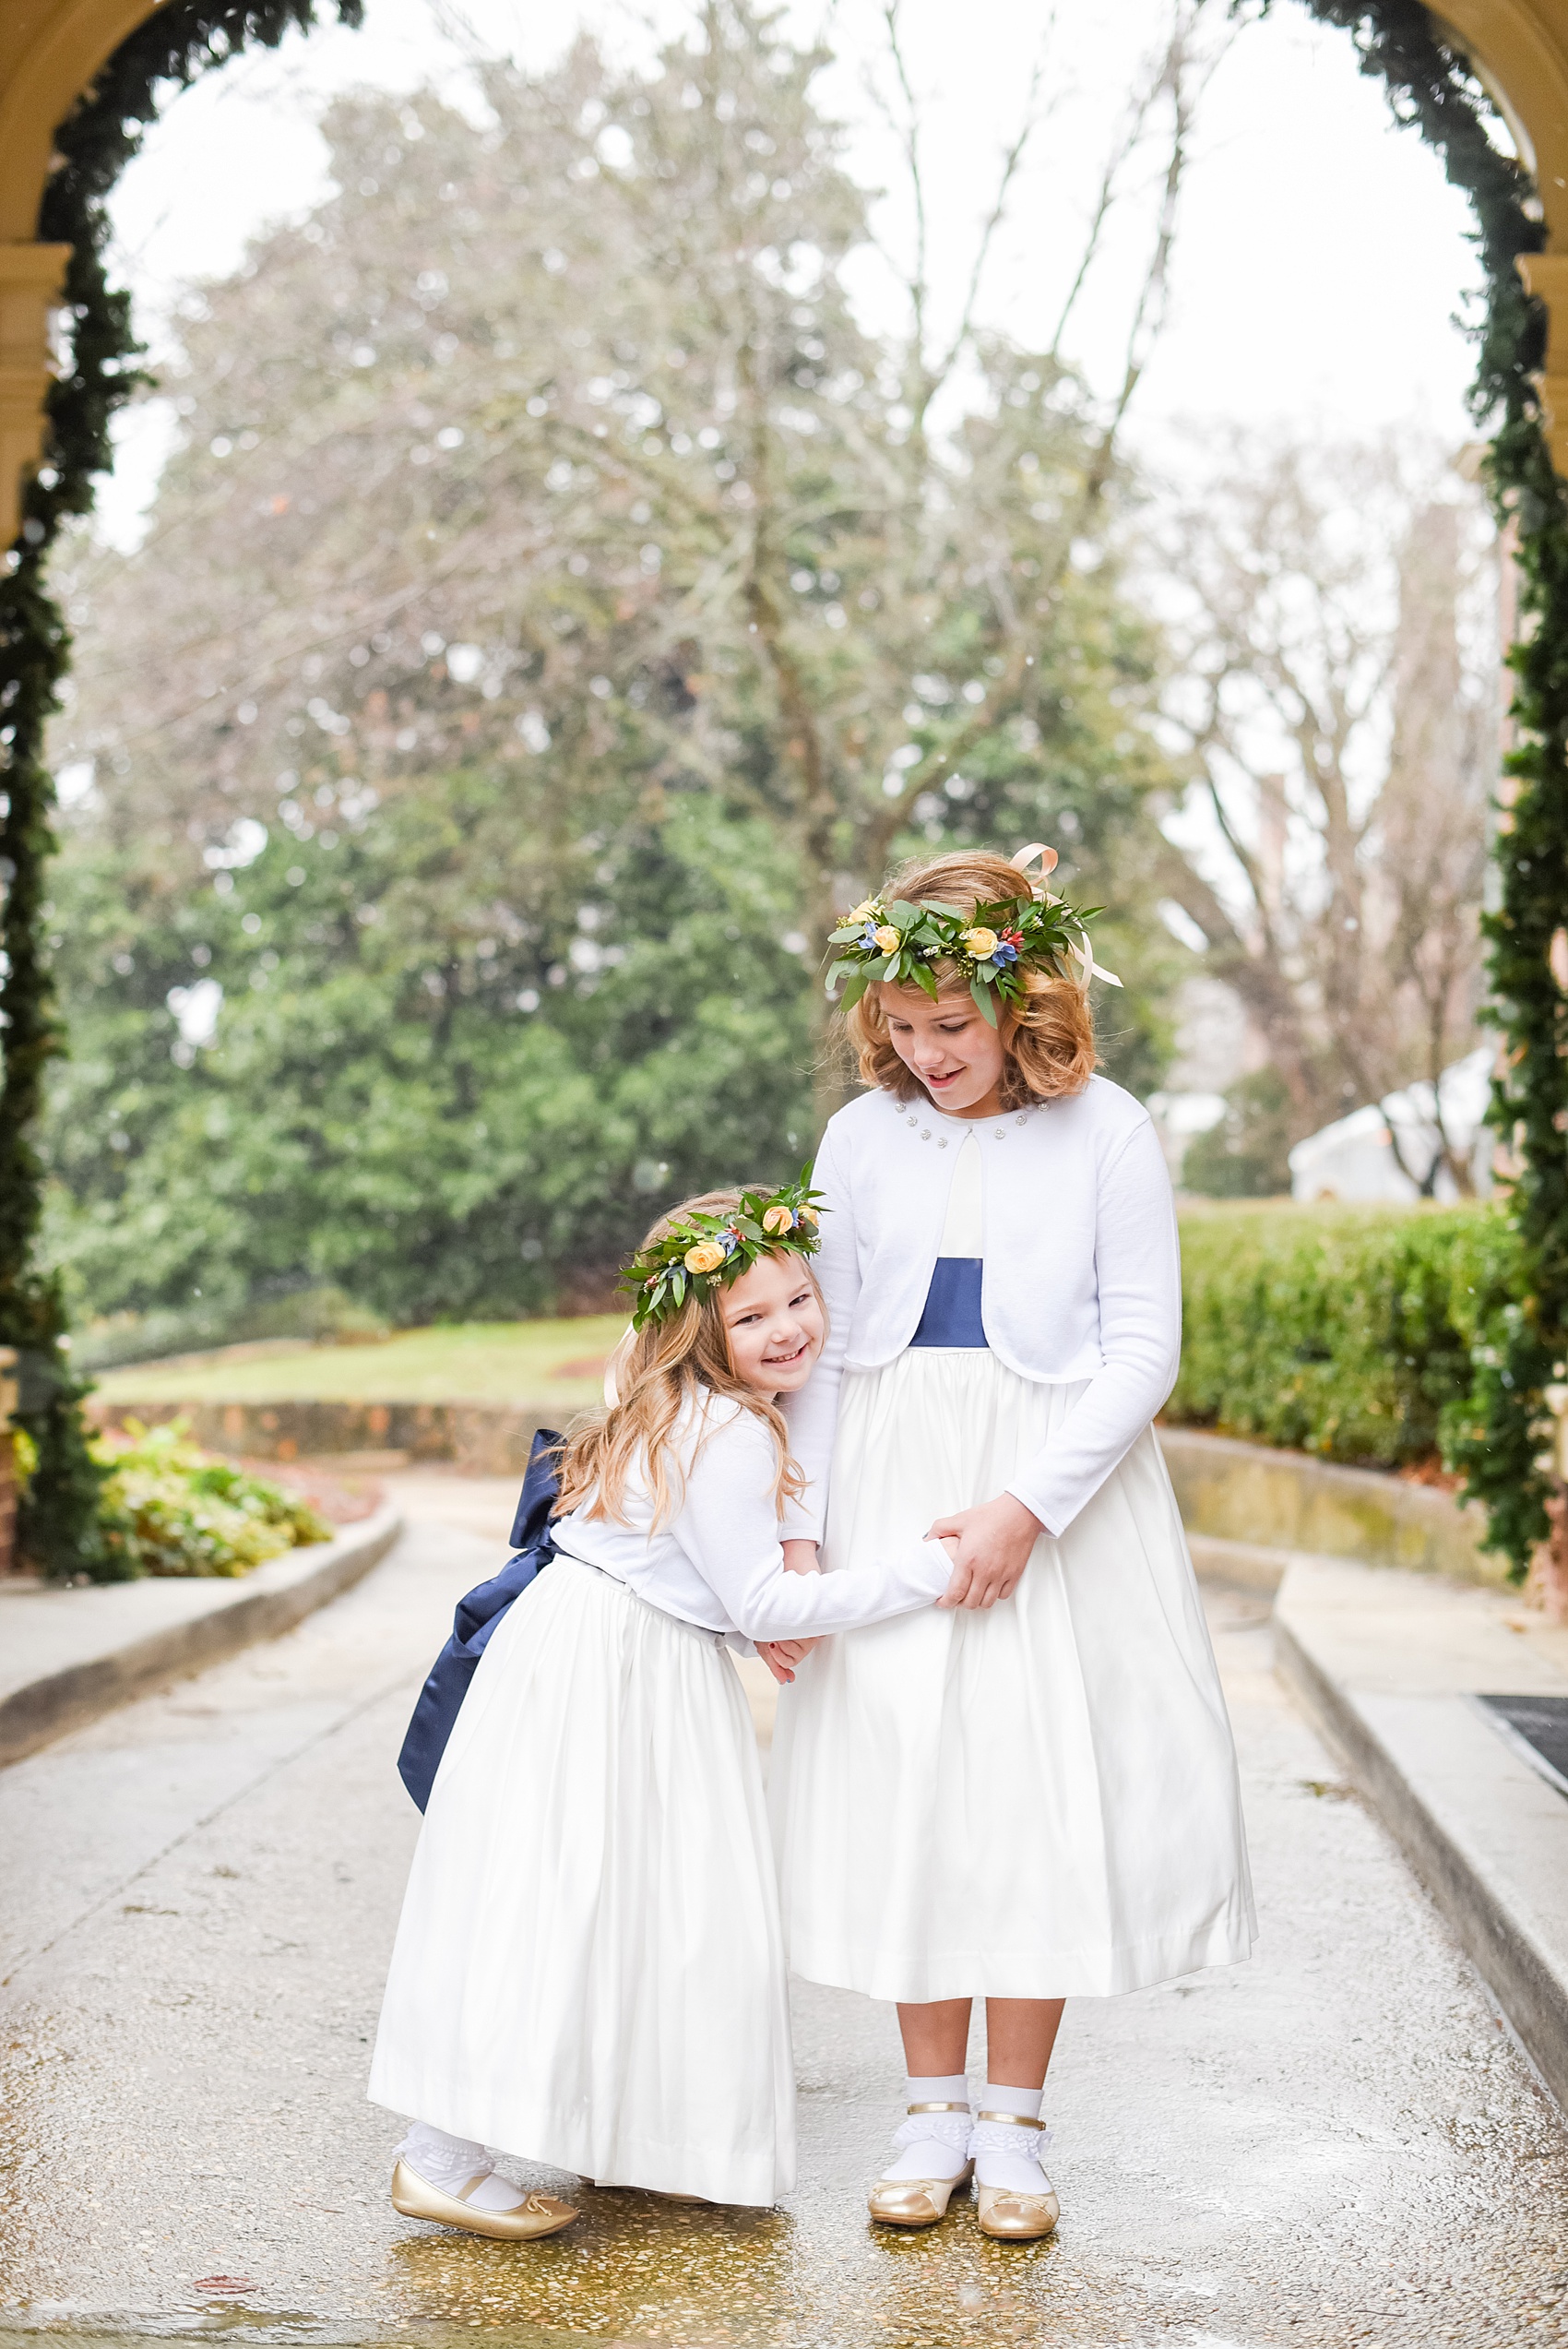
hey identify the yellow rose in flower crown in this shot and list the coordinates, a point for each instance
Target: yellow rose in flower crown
(707, 1256)
(982, 943)
(808, 1215)
(777, 1219)
(863, 911)
(887, 938)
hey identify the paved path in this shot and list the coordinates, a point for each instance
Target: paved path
(1338, 2143)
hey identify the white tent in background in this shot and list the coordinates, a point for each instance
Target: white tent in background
(1353, 1159)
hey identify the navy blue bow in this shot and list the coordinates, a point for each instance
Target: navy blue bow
(477, 1616)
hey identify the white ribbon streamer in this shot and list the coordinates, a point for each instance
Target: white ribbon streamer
(1024, 858)
(1093, 969)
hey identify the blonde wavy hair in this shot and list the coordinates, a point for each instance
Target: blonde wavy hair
(658, 1372)
(1047, 1043)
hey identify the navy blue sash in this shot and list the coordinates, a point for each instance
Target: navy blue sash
(952, 1315)
(477, 1616)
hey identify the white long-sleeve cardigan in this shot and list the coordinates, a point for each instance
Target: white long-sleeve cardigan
(718, 1563)
(1082, 1271)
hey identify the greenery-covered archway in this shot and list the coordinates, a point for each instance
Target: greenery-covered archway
(1432, 88)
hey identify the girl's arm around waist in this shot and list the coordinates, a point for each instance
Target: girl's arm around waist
(729, 1528)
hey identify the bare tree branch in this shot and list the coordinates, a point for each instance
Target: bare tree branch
(1031, 119)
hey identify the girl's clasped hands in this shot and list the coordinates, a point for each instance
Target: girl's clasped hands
(989, 1547)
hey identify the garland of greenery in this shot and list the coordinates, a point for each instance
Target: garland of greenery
(1498, 1440)
(58, 1526)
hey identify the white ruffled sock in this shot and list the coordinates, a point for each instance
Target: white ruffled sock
(932, 2144)
(1005, 2157)
(449, 2162)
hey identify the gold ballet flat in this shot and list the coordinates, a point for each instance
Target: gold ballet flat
(525, 2222)
(1011, 2217)
(1015, 2218)
(914, 2201)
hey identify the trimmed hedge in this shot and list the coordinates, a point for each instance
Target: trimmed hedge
(1355, 1333)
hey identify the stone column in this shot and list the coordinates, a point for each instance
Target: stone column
(1548, 1569)
(31, 278)
(1546, 274)
(8, 1560)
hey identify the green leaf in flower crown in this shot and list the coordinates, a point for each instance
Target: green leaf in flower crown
(840, 970)
(981, 996)
(855, 990)
(925, 977)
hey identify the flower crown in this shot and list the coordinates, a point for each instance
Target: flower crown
(994, 946)
(705, 1252)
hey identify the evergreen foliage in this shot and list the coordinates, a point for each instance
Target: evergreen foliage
(1432, 87)
(398, 1098)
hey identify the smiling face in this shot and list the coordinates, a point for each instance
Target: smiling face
(774, 1321)
(949, 1045)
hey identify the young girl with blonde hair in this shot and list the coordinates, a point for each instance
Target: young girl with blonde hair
(588, 1971)
(1033, 1796)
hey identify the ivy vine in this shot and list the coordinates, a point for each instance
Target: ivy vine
(57, 1528)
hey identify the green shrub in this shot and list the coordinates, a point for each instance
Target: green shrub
(169, 1509)
(1344, 1331)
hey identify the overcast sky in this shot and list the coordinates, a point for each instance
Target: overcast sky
(1321, 261)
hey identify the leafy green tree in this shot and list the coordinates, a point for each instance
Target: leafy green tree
(433, 1118)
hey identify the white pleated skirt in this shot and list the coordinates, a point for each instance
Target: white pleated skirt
(590, 1971)
(1037, 1801)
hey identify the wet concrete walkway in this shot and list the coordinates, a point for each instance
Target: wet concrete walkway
(1337, 2143)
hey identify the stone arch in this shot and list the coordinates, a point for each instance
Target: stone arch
(1519, 50)
(50, 50)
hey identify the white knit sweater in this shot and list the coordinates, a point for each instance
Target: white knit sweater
(1082, 1272)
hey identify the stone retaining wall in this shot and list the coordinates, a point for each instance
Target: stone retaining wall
(1234, 1491)
(484, 1439)
(1289, 1501)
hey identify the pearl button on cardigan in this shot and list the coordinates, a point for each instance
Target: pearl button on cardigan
(1082, 1274)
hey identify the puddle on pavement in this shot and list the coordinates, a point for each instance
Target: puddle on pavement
(635, 2274)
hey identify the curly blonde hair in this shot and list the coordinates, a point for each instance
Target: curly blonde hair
(658, 1372)
(1047, 1042)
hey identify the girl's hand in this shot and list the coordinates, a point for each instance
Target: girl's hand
(993, 1545)
(800, 1557)
(781, 1655)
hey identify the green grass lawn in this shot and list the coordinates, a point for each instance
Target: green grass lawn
(498, 1362)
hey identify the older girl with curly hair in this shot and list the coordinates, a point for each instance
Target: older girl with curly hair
(1032, 1796)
